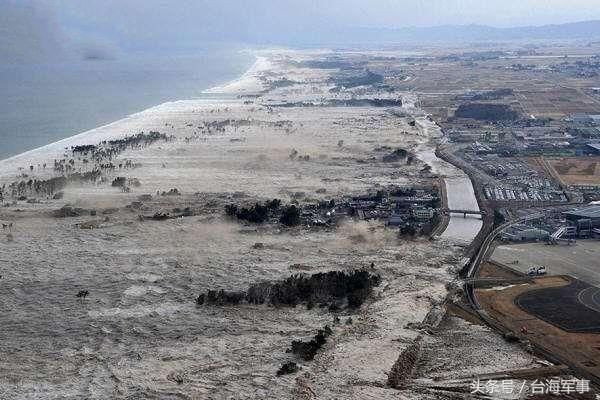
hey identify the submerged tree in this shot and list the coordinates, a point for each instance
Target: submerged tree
(290, 216)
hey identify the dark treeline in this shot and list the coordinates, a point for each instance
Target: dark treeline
(288, 368)
(493, 94)
(357, 78)
(308, 350)
(48, 188)
(334, 289)
(260, 213)
(345, 103)
(99, 156)
(103, 153)
(486, 112)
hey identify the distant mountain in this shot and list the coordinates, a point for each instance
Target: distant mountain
(468, 33)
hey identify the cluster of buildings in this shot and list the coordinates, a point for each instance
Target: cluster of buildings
(412, 210)
(512, 158)
(566, 226)
(579, 69)
(511, 180)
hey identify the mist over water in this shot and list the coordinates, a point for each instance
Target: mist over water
(40, 104)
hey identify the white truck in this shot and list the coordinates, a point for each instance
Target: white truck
(536, 270)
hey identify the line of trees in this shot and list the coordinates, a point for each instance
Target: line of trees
(260, 213)
(334, 289)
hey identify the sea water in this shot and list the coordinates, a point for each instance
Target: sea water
(40, 104)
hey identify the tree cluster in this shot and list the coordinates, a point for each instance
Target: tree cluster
(308, 350)
(328, 288)
(288, 368)
(119, 181)
(260, 213)
(290, 216)
(486, 112)
(221, 298)
(256, 214)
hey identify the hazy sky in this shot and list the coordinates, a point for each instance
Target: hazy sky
(391, 13)
(113, 25)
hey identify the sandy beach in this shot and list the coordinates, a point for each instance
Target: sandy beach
(276, 133)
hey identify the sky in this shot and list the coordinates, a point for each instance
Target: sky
(390, 13)
(103, 27)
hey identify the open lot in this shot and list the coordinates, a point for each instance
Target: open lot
(577, 170)
(579, 350)
(557, 102)
(579, 260)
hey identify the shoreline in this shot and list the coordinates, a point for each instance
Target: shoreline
(245, 79)
(249, 82)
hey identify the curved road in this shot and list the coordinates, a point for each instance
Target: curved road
(590, 297)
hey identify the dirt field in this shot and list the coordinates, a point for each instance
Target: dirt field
(492, 269)
(556, 102)
(581, 349)
(577, 170)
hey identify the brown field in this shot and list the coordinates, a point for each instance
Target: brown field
(577, 170)
(581, 349)
(538, 93)
(556, 102)
(492, 269)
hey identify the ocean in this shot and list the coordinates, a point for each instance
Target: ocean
(40, 104)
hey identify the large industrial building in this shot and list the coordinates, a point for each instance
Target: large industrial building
(591, 213)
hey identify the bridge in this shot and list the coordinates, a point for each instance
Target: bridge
(463, 212)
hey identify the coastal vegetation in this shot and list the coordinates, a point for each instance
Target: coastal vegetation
(334, 289)
(486, 112)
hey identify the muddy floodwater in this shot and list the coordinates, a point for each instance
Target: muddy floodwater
(459, 189)
(461, 196)
(99, 282)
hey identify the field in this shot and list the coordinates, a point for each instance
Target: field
(577, 170)
(538, 92)
(556, 102)
(580, 349)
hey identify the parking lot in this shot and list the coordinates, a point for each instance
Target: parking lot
(580, 260)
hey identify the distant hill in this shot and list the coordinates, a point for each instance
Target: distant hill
(468, 33)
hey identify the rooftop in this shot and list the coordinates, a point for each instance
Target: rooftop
(585, 212)
(595, 146)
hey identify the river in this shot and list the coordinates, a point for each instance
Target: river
(459, 189)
